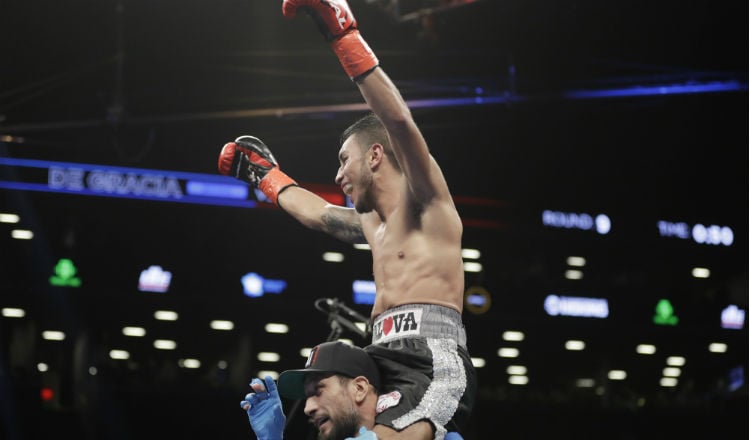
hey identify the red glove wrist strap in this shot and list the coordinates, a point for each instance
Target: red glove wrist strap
(354, 54)
(274, 182)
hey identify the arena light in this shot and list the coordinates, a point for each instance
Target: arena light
(575, 345)
(166, 315)
(189, 363)
(165, 344)
(265, 356)
(9, 218)
(22, 234)
(136, 332)
(277, 328)
(676, 361)
(573, 274)
(47, 394)
(518, 380)
(576, 261)
(645, 349)
(222, 324)
(53, 335)
(119, 354)
(478, 362)
(13, 312)
(701, 272)
(470, 254)
(333, 257)
(273, 374)
(472, 266)
(508, 352)
(659, 90)
(668, 382)
(512, 335)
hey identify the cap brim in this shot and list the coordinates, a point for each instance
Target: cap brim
(291, 383)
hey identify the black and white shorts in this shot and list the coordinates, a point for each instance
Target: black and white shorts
(425, 368)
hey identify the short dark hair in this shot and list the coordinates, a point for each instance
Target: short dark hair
(371, 131)
(370, 127)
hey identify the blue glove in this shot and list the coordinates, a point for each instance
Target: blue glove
(265, 412)
(453, 436)
(364, 434)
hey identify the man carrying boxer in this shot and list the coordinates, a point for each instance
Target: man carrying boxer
(404, 211)
(340, 386)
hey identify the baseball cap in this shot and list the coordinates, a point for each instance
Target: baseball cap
(329, 357)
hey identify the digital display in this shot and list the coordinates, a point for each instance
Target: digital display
(582, 221)
(255, 285)
(134, 183)
(363, 292)
(700, 233)
(580, 307)
(154, 279)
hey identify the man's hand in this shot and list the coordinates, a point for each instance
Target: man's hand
(339, 27)
(250, 160)
(263, 407)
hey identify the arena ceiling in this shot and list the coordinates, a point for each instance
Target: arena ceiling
(637, 110)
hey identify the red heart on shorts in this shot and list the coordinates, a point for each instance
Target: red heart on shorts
(387, 324)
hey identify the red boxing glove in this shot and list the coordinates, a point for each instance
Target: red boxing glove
(339, 27)
(250, 160)
(333, 17)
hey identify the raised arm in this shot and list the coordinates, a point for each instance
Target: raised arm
(422, 171)
(339, 27)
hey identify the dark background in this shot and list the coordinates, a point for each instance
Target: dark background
(163, 85)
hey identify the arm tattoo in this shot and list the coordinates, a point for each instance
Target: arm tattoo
(339, 227)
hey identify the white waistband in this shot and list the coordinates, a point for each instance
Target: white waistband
(418, 320)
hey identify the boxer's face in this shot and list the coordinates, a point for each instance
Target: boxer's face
(354, 175)
(330, 406)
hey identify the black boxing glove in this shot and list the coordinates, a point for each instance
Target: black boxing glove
(250, 160)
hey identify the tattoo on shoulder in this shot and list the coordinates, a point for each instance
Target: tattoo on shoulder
(343, 229)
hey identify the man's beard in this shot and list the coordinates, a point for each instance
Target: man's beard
(364, 201)
(345, 426)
